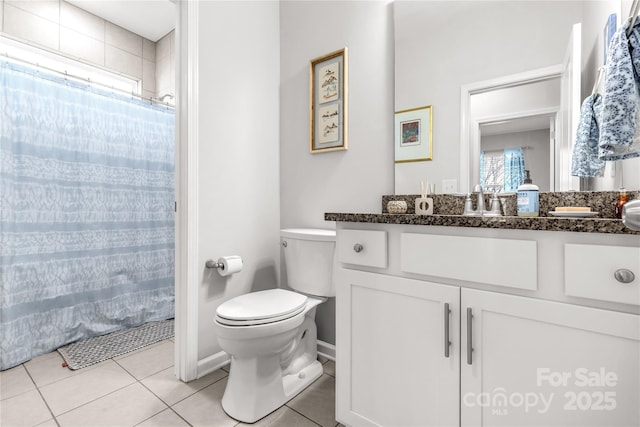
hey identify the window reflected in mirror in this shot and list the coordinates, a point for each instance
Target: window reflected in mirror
(509, 147)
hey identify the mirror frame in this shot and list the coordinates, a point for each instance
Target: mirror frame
(469, 127)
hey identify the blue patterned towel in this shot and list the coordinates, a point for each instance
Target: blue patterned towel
(585, 161)
(620, 105)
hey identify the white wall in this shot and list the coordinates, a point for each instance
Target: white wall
(239, 208)
(340, 181)
(443, 45)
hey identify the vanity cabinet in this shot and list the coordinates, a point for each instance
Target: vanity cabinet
(394, 366)
(513, 360)
(530, 362)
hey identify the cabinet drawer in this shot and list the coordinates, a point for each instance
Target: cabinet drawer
(363, 247)
(590, 272)
(501, 262)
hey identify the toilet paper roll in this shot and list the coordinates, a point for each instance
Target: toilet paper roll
(230, 264)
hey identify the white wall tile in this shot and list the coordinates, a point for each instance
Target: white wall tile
(30, 27)
(123, 62)
(148, 50)
(58, 25)
(47, 9)
(163, 77)
(148, 76)
(81, 21)
(165, 65)
(163, 47)
(81, 46)
(123, 39)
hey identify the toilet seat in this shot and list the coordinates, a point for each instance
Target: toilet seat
(258, 308)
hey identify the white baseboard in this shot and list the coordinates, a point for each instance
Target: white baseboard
(327, 350)
(211, 363)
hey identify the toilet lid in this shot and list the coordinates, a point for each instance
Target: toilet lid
(262, 306)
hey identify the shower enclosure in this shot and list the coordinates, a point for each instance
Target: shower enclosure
(86, 211)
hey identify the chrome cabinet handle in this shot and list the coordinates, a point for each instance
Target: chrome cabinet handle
(624, 275)
(358, 247)
(469, 336)
(447, 342)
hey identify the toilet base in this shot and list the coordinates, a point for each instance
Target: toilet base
(246, 401)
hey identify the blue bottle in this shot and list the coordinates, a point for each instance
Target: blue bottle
(528, 197)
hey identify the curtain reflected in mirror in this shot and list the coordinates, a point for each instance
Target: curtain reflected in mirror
(509, 147)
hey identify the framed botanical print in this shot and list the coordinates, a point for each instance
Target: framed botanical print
(328, 102)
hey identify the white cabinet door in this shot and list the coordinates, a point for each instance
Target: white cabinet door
(390, 343)
(543, 363)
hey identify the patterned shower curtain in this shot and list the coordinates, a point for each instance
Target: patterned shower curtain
(513, 168)
(86, 212)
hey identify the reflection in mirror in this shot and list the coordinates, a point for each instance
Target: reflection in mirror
(442, 46)
(529, 137)
(519, 111)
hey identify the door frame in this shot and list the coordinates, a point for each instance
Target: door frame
(469, 143)
(552, 113)
(187, 267)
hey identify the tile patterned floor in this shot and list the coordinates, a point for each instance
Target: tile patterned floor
(139, 389)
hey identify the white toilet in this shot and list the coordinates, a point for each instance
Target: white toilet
(271, 335)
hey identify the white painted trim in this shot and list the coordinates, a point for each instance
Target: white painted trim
(467, 90)
(549, 111)
(212, 363)
(187, 269)
(539, 74)
(327, 350)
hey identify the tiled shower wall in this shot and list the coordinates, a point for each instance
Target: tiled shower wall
(165, 65)
(60, 26)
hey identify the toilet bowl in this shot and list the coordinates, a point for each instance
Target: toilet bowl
(271, 335)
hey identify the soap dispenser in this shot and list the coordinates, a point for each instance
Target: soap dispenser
(528, 197)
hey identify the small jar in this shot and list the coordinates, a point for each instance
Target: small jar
(623, 198)
(397, 207)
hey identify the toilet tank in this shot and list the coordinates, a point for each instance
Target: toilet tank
(308, 258)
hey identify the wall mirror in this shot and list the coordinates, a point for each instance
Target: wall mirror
(443, 49)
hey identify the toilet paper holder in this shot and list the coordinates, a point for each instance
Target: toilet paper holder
(213, 264)
(226, 265)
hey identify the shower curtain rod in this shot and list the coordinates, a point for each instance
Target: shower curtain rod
(499, 150)
(87, 80)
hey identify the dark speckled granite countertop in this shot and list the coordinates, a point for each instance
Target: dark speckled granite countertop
(446, 207)
(587, 225)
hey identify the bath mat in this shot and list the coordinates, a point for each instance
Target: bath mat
(97, 349)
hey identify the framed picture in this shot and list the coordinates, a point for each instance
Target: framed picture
(328, 102)
(413, 134)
